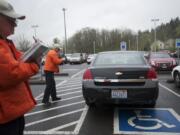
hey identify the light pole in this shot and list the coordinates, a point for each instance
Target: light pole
(35, 27)
(94, 47)
(155, 20)
(65, 29)
(137, 42)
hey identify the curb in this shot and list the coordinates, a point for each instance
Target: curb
(60, 74)
(37, 81)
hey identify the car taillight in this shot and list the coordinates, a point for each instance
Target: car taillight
(174, 63)
(151, 74)
(87, 75)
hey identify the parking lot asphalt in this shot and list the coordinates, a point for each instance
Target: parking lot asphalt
(72, 116)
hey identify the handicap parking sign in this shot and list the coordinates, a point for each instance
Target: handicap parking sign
(123, 46)
(146, 121)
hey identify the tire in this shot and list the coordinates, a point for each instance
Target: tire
(150, 104)
(177, 79)
(89, 102)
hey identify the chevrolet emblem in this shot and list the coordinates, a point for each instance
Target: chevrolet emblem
(118, 73)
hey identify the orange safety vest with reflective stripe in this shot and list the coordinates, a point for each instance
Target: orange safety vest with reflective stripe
(52, 61)
(15, 96)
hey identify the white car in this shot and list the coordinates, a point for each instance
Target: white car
(76, 58)
(68, 57)
(90, 58)
(176, 75)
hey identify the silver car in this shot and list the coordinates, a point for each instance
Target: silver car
(76, 58)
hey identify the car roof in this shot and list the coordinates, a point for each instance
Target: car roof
(120, 52)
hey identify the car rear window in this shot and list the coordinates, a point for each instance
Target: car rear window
(160, 55)
(76, 55)
(119, 59)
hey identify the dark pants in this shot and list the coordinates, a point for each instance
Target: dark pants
(15, 127)
(50, 86)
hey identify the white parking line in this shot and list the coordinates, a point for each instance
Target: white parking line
(78, 74)
(52, 133)
(166, 88)
(61, 127)
(56, 85)
(61, 83)
(68, 81)
(54, 117)
(81, 120)
(64, 94)
(68, 86)
(65, 99)
(73, 83)
(58, 91)
(54, 108)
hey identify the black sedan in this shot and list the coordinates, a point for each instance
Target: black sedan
(120, 77)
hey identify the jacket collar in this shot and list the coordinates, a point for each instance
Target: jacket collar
(7, 40)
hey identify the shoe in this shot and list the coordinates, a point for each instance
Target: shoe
(56, 99)
(46, 103)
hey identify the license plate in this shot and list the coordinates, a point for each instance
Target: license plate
(164, 66)
(122, 94)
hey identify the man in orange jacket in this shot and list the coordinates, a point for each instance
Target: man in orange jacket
(51, 65)
(15, 96)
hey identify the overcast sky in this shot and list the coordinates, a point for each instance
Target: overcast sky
(99, 14)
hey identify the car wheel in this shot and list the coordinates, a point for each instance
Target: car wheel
(89, 102)
(150, 104)
(177, 79)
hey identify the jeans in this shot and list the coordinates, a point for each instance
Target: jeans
(50, 89)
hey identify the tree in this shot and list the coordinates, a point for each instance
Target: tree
(23, 44)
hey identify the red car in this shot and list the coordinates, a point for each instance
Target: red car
(162, 61)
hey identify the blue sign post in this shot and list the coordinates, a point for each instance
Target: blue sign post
(146, 121)
(123, 46)
(178, 43)
(178, 47)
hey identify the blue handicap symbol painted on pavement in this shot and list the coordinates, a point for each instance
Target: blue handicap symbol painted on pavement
(146, 120)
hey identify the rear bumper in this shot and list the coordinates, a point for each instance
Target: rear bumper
(135, 95)
(158, 68)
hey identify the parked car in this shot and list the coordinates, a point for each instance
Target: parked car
(68, 56)
(90, 58)
(84, 57)
(176, 75)
(63, 56)
(120, 77)
(76, 58)
(175, 54)
(43, 60)
(161, 61)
